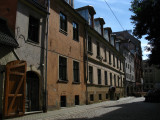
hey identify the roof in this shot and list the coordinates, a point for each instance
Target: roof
(109, 29)
(124, 35)
(6, 37)
(89, 7)
(100, 19)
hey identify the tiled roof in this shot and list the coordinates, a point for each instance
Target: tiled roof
(6, 37)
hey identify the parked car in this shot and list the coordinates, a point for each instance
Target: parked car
(153, 96)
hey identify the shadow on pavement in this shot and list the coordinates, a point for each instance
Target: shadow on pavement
(130, 111)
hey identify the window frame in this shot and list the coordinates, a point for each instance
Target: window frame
(63, 30)
(89, 41)
(91, 72)
(78, 72)
(75, 30)
(66, 71)
(98, 49)
(31, 28)
(99, 76)
(106, 77)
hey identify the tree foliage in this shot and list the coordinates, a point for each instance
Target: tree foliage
(146, 19)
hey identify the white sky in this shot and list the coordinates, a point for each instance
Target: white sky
(121, 10)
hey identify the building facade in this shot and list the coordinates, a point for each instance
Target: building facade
(105, 64)
(7, 54)
(151, 75)
(129, 72)
(66, 85)
(134, 46)
(27, 20)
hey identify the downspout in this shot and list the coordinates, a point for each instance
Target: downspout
(45, 89)
(87, 62)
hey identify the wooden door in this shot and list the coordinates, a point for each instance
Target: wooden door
(15, 86)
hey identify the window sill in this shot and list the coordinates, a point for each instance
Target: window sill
(76, 40)
(90, 52)
(105, 60)
(76, 83)
(31, 41)
(62, 81)
(63, 31)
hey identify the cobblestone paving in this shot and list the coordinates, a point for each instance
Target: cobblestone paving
(129, 108)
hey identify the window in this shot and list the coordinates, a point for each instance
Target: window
(99, 76)
(63, 101)
(106, 95)
(121, 82)
(75, 32)
(90, 20)
(91, 97)
(63, 22)
(110, 58)
(117, 63)
(113, 60)
(89, 44)
(98, 50)
(120, 65)
(100, 96)
(106, 80)
(118, 80)
(111, 79)
(115, 80)
(33, 31)
(105, 54)
(76, 71)
(91, 74)
(62, 68)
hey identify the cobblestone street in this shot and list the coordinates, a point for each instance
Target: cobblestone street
(129, 108)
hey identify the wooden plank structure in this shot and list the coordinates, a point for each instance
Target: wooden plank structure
(15, 89)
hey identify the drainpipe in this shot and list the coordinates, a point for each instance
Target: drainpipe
(45, 89)
(87, 62)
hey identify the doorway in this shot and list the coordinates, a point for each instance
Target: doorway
(32, 92)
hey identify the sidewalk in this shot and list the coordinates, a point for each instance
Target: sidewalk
(72, 111)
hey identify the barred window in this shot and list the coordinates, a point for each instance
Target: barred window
(33, 31)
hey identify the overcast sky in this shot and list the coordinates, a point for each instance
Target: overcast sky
(121, 10)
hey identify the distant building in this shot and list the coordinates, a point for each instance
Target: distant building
(151, 75)
(133, 46)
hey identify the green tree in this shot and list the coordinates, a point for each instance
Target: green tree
(146, 20)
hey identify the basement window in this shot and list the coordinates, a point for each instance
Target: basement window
(63, 101)
(76, 99)
(91, 97)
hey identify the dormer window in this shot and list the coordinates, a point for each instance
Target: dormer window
(90, 19)
(112, 40)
